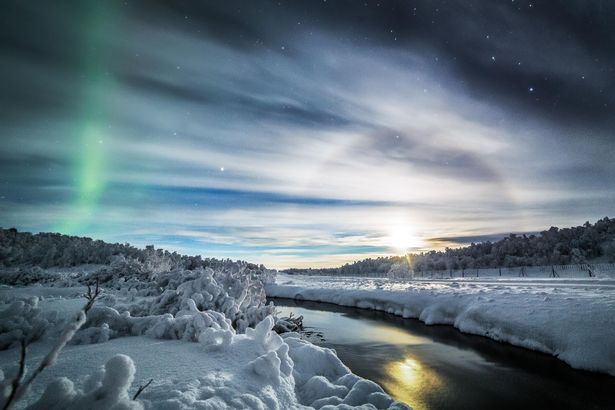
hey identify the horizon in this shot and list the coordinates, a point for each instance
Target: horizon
(306, 134)
(460, 245)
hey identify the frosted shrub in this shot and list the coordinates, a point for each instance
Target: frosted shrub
(22, 319)
(233, 293)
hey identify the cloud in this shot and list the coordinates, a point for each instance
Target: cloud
(308, 141)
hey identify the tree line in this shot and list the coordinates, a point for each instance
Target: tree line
(47, 250)
(575, 245)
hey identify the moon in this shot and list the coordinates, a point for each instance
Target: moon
(403, 237)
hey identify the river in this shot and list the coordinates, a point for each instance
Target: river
(438, 367)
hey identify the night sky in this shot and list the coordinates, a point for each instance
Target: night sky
(305, 133)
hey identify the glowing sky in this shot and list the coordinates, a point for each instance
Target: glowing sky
(305, 133)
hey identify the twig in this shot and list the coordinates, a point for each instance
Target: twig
(141, 388)
(19, 376)
(91, 297)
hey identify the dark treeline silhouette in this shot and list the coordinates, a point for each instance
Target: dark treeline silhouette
(576, 245)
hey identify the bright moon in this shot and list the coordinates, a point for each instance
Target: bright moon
(403, 238)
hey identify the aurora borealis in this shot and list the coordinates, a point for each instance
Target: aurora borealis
(305, 133)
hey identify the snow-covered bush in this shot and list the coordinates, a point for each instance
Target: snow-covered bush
(234, 293)
(27, 275)
(218, 301)
(106, 323)
(19, 320)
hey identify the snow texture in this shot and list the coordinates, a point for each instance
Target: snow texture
(206, 340)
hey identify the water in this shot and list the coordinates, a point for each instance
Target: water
(438, 367)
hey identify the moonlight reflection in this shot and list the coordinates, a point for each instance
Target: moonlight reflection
(410, 381)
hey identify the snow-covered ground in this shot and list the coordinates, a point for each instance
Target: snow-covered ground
(572, 319)
(204, 338)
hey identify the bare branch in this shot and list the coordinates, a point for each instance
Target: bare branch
(141, 388)
(91, 297)
(19, 387)
(18, 377)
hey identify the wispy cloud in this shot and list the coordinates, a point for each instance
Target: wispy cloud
(296, 146)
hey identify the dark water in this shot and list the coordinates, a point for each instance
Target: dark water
(437, 367)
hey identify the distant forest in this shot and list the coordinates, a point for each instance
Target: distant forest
(47, 250)
(576, 245)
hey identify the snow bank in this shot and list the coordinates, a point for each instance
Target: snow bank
(572, 320)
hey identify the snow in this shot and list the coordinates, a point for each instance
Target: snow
(572, 319)
(205, 339)
(205, 335)
(105, 390)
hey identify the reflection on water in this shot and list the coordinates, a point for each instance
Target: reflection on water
(437, 367)
(408, 380)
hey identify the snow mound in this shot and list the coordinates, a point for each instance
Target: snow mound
(105, 390)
